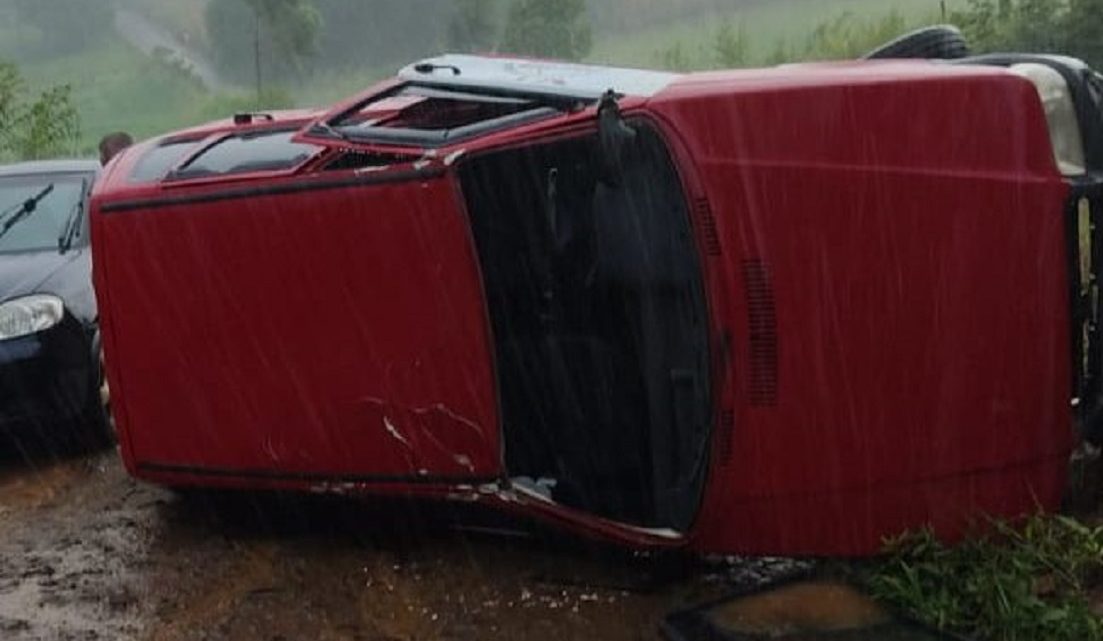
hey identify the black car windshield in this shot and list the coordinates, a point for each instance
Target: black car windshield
(41, 229)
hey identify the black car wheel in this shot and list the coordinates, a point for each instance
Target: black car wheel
(942, 42)
(97, 421)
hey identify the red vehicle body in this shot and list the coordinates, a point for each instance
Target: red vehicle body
(793, 311)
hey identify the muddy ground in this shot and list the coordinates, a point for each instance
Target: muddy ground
(86, 554)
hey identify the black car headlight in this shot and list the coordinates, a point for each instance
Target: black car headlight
(30, 314)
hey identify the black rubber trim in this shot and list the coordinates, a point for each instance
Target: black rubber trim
(313, 477)
(381, 178)
(935, 42)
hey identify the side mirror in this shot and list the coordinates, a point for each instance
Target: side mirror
(614, 135)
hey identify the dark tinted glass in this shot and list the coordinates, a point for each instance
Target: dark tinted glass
(433, 109)
(56, 198)
(429, 117)
(257, 151)
(158, 161)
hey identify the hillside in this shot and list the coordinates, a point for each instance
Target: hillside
(118, 87)
(766, 23)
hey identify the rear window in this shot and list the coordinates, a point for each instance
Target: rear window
(248, 152)
(431, 116)
(157, 162)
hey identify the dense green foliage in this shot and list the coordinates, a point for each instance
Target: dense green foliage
(729, 45)
(1073, 27)
(288, 32)
(473, 26)
(846, 35)
(34, 126)
(59, 27)
(1022, 583)
(360, 34)
(548, 28)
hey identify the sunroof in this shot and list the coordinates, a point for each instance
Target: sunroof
(430, 116)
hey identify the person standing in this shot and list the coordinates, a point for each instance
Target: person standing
(112, 144)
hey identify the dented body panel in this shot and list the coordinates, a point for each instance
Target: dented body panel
(364, 345)
(881, 248)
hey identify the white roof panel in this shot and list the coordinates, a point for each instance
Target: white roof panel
(537, 76)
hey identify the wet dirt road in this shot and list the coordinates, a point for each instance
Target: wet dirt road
(88, 554)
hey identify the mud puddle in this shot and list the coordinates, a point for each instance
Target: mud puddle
(88, 554)
(68, 531)
(24, 486)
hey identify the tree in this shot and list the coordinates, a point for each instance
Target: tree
(729, 46)
(66, 26)
(674, 58)
(548, 29)
(277, 37)
(849, 36)
(293, 26)
(1040, 25)
(1085, 31)
(1033, 26)
(381, 34)
(982, 23)
(44, 126)
(472, 26)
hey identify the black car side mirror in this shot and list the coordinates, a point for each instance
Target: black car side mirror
(614, 135)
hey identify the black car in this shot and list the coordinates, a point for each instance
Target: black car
(50, 375)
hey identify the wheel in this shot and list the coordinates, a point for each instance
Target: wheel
(941, 42)
(97, 427)
(1091, 428)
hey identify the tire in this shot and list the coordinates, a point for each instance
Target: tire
(941, 42)
(1092, 424)
(96, 428)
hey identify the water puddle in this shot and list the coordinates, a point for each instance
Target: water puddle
(805, 611)
(24, 487)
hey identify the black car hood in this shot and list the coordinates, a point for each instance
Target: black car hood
(68, 276)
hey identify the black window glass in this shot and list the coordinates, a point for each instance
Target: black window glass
(56, 197)
(158, 161)
(254, 151)
(427, 108)
(429, 116)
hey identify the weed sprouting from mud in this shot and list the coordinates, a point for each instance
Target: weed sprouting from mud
(1017, 582)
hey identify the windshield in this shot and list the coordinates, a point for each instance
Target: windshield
(41, 229)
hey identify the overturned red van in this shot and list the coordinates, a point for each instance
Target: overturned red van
(787, 311)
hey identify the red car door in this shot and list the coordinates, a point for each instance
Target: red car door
(329, 327)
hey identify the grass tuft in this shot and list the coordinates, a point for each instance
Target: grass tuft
(1027, 581)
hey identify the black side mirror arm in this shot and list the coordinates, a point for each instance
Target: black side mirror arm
(613, 134)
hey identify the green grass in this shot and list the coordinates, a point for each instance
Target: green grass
(117, 88)
(177, 16)
(766, 24)
(1024, 582)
